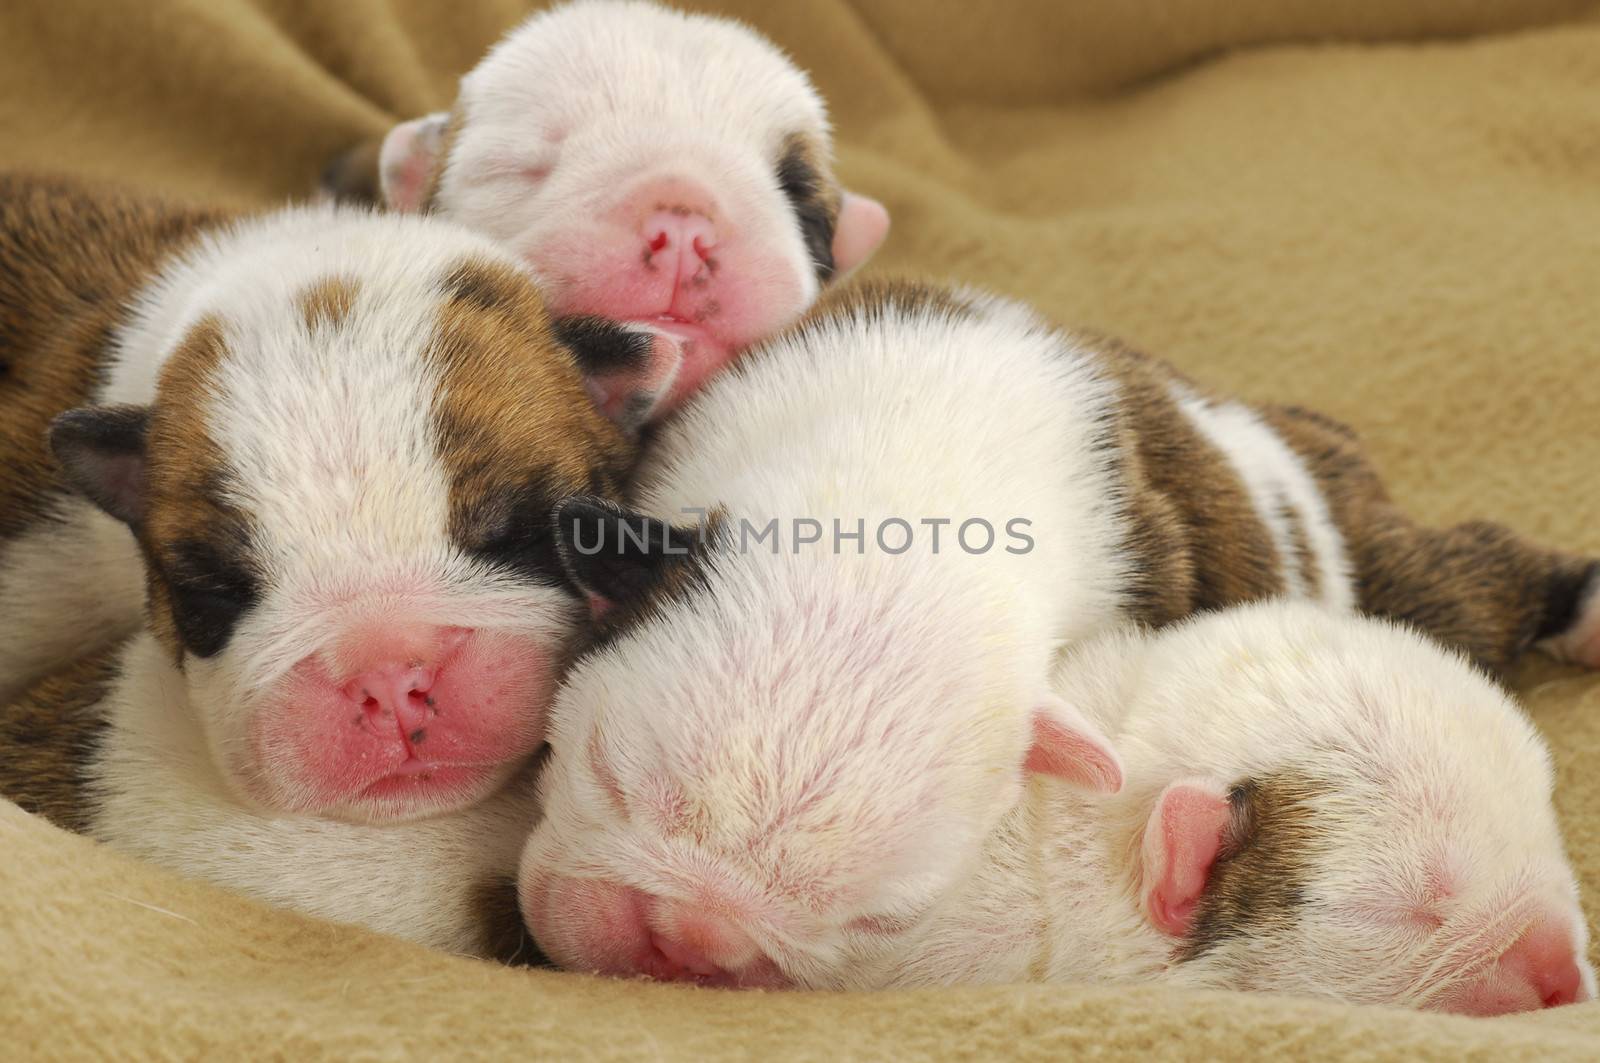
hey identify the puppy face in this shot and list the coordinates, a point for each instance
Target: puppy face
(1382, 831)
(342, 491)
(762, 775)
(668, 169)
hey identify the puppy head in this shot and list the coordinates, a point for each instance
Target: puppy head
(342, 492)
(764, 771)
(652, 166)
(1356, 814)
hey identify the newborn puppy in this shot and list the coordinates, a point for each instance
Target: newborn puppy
(84, 749)
(668, 169)
(336, 440)
(1315, 804)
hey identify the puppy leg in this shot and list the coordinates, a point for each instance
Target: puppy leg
(1484, 589)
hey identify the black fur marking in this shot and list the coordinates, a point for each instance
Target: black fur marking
(212, 588)
(617, 555)
(600, 345)
(803, 187)
(514, 530)
(1567, 594)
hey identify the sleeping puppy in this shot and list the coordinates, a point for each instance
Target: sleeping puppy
(324, 446)
(107, 748)
(667, 169)
(1315, 804)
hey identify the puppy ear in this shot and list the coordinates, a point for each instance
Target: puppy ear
(1071, 748)
(628, 368)
(862, 226)
(101, 450)
(1181, 842)
(612, 555)
(410, 155)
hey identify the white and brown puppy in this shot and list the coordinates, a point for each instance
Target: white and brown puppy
(652, 166)
(1316, 804)
(327, 444)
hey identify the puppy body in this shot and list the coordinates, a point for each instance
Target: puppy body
(335, 440)
(72, 261)
(744, 694)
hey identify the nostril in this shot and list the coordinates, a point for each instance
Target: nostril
(702, 246)
(659, 241)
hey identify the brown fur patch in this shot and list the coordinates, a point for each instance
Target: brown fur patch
(1477, 586)
(185, 473)
(327, 303)
(1258, 879)
(50, 735)
(517, 430)
(72, 258)
(1194, 532)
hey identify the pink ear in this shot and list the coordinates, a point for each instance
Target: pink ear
(1181, 841)
(1068, 746)
(410, 154)
(863, 223)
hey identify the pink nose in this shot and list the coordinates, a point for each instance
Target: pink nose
(1545, 960)
(1541, 969)
(681, 237)
(392, 688)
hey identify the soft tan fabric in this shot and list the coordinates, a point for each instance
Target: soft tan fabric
(1290, 198)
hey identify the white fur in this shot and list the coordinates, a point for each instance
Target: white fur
(164, 801)
(1277, 479)
(933, 661)
(1428, 775)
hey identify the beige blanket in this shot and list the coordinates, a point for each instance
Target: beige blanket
(1387, 209)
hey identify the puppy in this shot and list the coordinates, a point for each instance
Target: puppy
(102, 747)
(325, 446)
(668, 169)
(1316, 804)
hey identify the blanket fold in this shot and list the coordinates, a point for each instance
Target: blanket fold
(1388, 210)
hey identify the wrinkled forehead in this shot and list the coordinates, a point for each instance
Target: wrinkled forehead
(394, 410)
(647, 68)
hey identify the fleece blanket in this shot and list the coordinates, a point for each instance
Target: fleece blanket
(1385, 209)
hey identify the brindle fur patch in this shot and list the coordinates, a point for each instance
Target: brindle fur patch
(807, 182)
(517, 430)
(327, 303)
(72, 259)
(1476, 586)
(50, 736)
(1194, 534)
(1257, 883)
